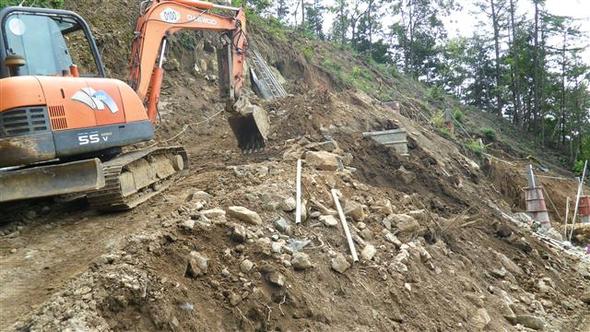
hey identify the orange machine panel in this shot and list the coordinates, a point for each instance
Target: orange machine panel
(59, 92)
(134, 109)
(107, 93)
(20, 91)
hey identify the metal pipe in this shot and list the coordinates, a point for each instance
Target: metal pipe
(162, 53)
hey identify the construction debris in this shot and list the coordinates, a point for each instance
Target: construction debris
(396, 138)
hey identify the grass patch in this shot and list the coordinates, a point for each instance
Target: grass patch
(476, 147)
(489, 134)
(458, 115)
(308, 53)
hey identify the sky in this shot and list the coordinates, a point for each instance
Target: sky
(464, 23)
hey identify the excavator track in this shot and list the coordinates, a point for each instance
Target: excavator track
(135, 177)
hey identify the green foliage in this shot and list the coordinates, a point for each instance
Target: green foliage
(579, 167)
(438, 120)
(435, 94)
(36, 3)
(489, 134)
(308, 53)
(187, 40)
(458, 115)
(444, 132)
(476, 147)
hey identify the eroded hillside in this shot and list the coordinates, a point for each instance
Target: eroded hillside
(442, 244)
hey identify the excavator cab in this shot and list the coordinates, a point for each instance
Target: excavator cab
(40, 42)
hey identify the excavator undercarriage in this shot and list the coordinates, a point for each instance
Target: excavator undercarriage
(135, 177)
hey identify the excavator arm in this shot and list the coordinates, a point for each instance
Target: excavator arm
(162, 18)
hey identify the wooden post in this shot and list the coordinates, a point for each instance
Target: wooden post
(580, 188)
(355, 257)
(567, 213)
(298, 194)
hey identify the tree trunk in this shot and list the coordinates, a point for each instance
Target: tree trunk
(496, 25)
(303, 14)
(515, 71)
(563, 74)
(536, 64)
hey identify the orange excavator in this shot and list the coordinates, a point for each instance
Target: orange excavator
(63, 124)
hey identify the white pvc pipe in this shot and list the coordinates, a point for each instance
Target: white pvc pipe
(298, 194)
(355, 257)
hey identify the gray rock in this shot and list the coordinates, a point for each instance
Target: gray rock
(329, 146)
(188, 224)
(393, 239)
(585, 297)
(301, 261)
(276, 279)
(480, 319)
(277, 247)
(213, 213)
(355, 211)
(329, 221)
(243, 214)
(368, 252)
(366, 234)
(499, 273)
(238, 234)
(406, 224)
(198, 265)
(264, 245)
(530, 321)
(386, 222)
(508, 313)
(289, 204)
(199, 196)
(234, 299)
(322, 160)
(418, 214)
(509, 264)
(545, 285)
(282, 225)
(246, 266)
(340, 264)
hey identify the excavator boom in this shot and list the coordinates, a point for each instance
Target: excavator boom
(158, 21)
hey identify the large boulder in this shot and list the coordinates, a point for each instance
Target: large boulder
(322, 160)
(243, 214)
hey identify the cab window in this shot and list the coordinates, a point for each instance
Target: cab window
(49, 45)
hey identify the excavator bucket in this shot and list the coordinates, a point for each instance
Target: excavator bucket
(250, 125)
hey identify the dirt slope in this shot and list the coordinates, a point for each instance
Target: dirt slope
(435, 253)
